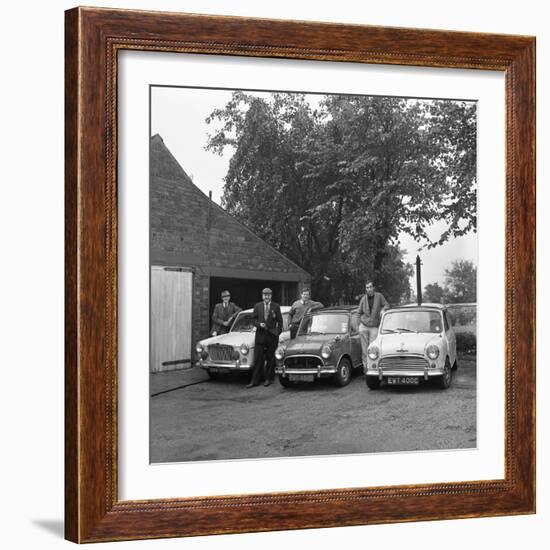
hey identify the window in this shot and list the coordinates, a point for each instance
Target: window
(329, 323)
(412, 320)
(354, 323)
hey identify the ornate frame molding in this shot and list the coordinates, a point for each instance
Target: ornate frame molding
(93, 39)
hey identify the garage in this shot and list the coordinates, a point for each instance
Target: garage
(211, 250)
(246, 292)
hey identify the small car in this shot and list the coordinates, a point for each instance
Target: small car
(415, 343)
(326, 345)
(234, 351)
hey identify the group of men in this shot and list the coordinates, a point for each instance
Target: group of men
(267, 318)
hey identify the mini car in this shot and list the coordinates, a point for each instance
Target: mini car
(415, 343)
(234, 351)
(326, 345)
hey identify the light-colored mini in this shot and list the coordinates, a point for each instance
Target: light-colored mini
(234, 351)
(415, 343)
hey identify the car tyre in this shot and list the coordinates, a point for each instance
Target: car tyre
(213, 375)
(343, 373)
(285, 382)
(455, 365)
(444, 381)
(373, 382)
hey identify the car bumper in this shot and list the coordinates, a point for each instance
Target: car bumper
(424, 373)
(234, 366)
(321, 370)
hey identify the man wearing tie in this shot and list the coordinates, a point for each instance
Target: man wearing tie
(224, 314)
(268, 321)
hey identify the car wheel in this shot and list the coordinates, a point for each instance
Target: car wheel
(285, 382)
(343, 374)
(213, 375)
(373, 382)
(444, 381)
(455, 365)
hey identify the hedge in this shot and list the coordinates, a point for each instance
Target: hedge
(466, 342)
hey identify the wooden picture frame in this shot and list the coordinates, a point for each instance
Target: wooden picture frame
(94, 37)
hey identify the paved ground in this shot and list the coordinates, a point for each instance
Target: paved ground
(194, 418)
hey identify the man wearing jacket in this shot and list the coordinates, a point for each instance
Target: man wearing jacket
(299, 309)
(224, 314)
(370, 307)
(268, 321)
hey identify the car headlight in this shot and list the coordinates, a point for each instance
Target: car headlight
(373, 352)
(279, 353)
(432, 352)
(245, 349)
(199, 348)
(326, 351)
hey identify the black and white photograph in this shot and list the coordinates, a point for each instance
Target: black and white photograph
(313, 274)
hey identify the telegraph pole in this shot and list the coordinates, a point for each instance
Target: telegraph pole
(418, 281)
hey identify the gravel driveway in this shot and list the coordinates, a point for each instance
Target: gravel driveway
(195, 418)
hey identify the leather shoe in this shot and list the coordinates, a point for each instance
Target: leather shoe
(251, 385)
(267, 382)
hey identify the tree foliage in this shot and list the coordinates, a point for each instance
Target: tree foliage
(460, 282)
(331, 183)
(459, 286)
(433, 293)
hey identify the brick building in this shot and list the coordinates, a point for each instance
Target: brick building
(197, 250)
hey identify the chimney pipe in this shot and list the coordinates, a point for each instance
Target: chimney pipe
(209, 215)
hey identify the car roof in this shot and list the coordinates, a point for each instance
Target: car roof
(335, 309)
(426, 305)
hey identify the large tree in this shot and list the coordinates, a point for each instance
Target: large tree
(333, 182)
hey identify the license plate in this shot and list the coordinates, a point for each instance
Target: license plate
(301, 377)
(403, 380)
(220, 370)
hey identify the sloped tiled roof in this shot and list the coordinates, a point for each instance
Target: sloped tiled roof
(187, 202)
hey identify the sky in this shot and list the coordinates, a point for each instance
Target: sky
(178, 116)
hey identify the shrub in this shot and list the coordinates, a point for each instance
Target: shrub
(466, 342)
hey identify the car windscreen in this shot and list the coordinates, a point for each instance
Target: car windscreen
(244, 323)
(325, 323)
(412, 321)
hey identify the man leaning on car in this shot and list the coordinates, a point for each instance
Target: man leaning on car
(299, 308)
(370, 307)
(223, 314)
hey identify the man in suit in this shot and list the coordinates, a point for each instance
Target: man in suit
(224, 314)
(268, 321)
(370, 307)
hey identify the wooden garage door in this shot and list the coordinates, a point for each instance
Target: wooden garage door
(171, 302)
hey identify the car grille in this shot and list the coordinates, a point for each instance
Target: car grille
(220, 352)
(403, 362)
(305, 362)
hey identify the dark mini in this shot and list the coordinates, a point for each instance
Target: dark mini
(327, 345)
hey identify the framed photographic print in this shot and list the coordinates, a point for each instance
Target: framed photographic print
(300, 275)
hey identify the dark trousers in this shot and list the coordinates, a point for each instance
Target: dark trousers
(294, 329)
(264, 362)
